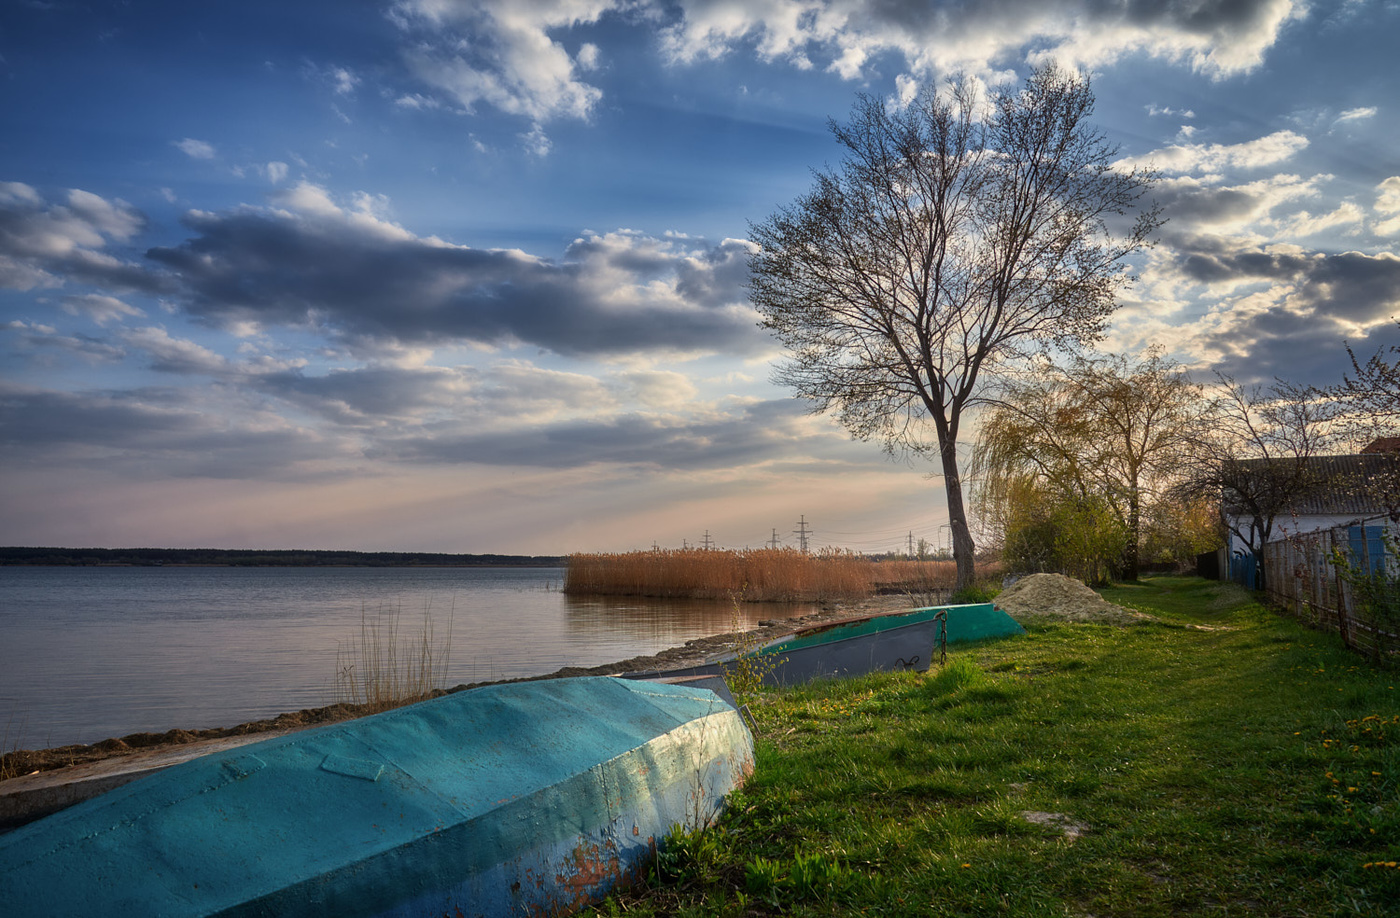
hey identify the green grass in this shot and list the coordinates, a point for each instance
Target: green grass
(1224, 761)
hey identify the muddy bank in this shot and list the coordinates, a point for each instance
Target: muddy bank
(24, 761)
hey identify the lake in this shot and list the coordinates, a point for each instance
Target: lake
(88, 653)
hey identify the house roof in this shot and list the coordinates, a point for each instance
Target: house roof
(1352, 485)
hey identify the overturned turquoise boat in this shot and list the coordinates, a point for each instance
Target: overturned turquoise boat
(531, 798)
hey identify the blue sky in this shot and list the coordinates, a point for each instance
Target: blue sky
(469, 276)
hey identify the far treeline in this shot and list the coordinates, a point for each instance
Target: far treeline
(255, 558)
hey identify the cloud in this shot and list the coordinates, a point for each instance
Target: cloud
(195, 149)
(1388, 206)
(1218, 38)
(41, 342)
(347, 273)
(45, 245)
(1211, 158)
(536, 142)
(174, 355)
(500, 53)
(187, 434)
(276, 172)
(513, 56)
(748, 435)
(1357, 114)
(342, 80)
(99, 308)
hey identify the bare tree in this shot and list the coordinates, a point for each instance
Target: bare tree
(1368, 401)
(1370, 398)
(1260, 455)
(942, 249)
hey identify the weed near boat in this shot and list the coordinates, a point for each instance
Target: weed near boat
(1221, 761)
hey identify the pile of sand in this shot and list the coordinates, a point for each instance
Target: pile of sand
(1064, 599)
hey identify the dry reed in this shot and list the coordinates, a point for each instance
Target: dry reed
(383, 669)
(763, 575)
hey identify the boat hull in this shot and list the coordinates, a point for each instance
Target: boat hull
(853, 647)
(525, 799)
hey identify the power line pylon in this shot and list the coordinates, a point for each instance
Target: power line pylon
(802, 533)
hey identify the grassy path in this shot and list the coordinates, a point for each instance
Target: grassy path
(1223, 761)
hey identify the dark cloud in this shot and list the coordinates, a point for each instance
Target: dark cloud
(367, 283)
(1347, 285)
(1355, 285)
(760, 432)
(1210, 268)
(146, 429)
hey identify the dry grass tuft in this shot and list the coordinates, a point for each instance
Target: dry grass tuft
(384, 669)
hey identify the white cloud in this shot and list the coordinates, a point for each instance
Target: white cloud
(99, 308)
(536, 142)
(1346, 214)
(1388, 206)
(500, 53)
(510, 55)
(276, 172)
(342, 80)
(1357, 114)
(1211, 158)
(1216, 39)
(195, 149)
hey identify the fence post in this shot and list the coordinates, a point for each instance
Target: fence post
(1342, 624)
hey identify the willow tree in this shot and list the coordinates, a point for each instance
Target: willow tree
(1109, 430)
(954, 239)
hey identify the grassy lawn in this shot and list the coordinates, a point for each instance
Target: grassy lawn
(1222, 762)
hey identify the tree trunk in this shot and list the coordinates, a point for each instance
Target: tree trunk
(963, 547)
(1130, 555)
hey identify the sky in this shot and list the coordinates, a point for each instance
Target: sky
(432, 275)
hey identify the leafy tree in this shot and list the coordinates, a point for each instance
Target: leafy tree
(1049, 531)
(943, 249)
(1104, 430)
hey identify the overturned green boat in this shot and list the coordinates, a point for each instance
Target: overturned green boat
(889, 642)
(530, 798)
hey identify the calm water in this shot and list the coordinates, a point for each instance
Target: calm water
(89, 653)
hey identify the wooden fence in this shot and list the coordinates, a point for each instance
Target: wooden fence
(1302, 579)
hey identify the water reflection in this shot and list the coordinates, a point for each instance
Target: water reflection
(660, 618)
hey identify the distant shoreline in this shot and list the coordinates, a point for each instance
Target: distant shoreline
(220, 557)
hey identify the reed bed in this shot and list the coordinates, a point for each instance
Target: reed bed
(762, 575)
